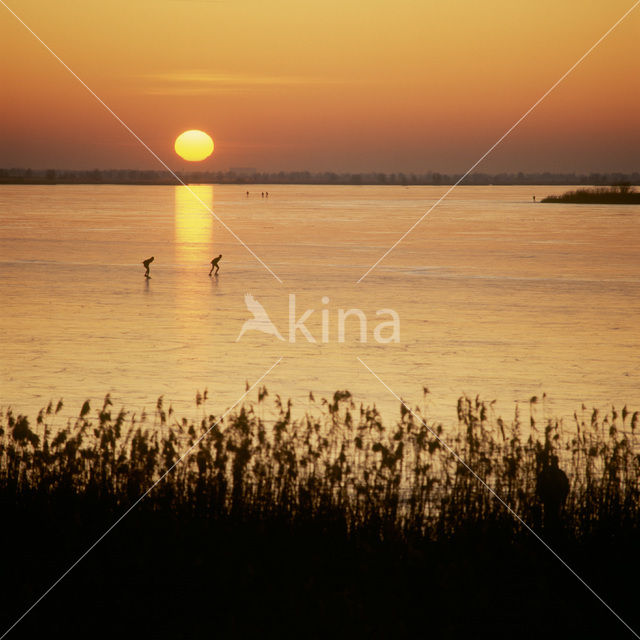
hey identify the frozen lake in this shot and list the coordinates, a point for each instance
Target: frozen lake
(496, 296)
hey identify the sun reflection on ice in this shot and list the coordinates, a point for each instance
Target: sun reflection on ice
(193, 224)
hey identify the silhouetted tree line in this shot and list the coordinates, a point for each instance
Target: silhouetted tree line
(127, 176)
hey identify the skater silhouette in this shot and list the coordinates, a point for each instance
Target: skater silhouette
(215, 265)
(146, 264)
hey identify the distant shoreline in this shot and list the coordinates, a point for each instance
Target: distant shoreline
(141, 178)
(620, 194)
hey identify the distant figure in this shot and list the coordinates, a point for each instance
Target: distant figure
(146, 264)
(266, 194)
(534, 198)
(552, 487)
(247, 194)
(263, 194)
(215, 265)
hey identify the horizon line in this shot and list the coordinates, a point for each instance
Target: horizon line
(249, 171)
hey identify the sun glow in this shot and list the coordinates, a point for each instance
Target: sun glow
(194, 145)
(193, 223)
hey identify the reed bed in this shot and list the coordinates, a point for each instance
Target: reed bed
(338, 464)
(618, 194)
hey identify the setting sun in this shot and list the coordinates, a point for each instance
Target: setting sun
(194, 145)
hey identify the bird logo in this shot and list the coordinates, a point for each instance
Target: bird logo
(260, 320)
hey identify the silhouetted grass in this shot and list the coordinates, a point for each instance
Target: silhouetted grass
(338, 462)
(620, 194)
(331, 524)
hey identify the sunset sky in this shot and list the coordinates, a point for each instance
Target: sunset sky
(343, 85)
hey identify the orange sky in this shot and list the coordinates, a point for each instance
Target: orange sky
(344, 85)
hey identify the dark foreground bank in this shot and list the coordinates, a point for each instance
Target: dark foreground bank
(332, 525)
(158, 576)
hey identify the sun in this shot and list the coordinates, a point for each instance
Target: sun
(194, 145)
